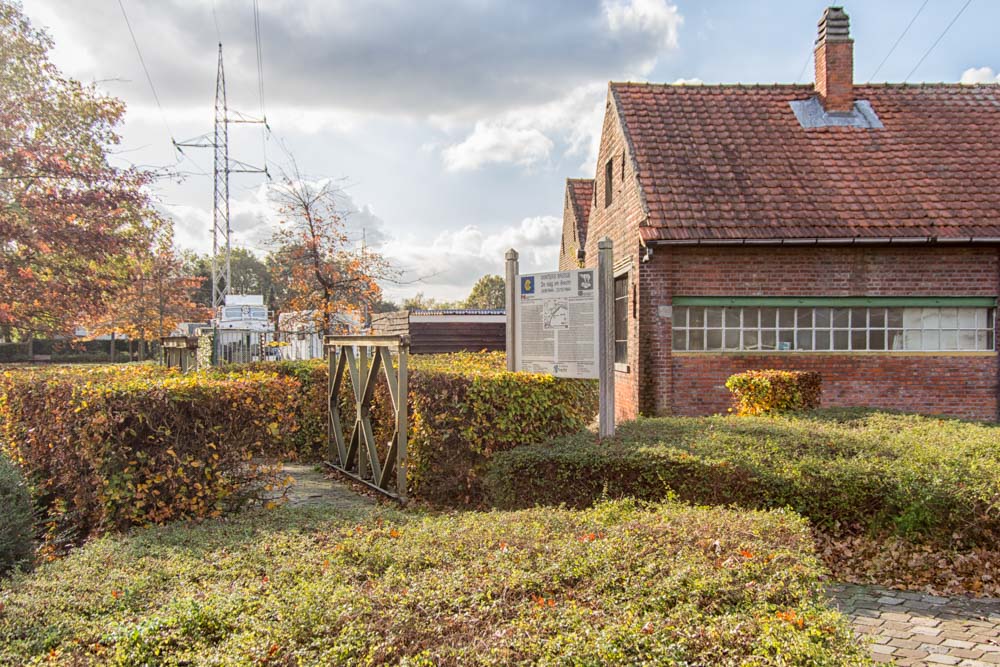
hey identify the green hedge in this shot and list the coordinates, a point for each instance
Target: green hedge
(464, 408)
(110, 447)
(847, 471)
(621, 584)
(17, 520)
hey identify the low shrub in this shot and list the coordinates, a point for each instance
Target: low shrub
(111, 447)
(620, 584)
(768, 392)
(925, 478)
(16, 517)
(463, 408)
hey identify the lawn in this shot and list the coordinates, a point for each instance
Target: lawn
(621, 583)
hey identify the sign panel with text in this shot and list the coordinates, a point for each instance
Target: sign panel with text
(556, 320)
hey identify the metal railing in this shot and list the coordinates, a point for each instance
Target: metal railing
(239, 346)
(362, 359)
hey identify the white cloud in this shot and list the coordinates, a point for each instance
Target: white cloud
(494, 142)
(527, 134)
(254, 215)
(656, 17)
(688, 82)
(980, 75)
(449, 264)
(524, 136)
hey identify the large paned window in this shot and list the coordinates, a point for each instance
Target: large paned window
(811, 328)
(621, 319)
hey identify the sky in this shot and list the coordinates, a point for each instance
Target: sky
(450, 127)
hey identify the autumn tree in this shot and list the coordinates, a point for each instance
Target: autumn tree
(313, 263)
(68, 219)
(159, 294)
(487, 293)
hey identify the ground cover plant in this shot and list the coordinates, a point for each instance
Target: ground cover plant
(899, 499)
(622, 583)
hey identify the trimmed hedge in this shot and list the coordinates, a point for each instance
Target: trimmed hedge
(464, 408)
(621, 584)
(107, 448)
(848, 471)
(768, 392)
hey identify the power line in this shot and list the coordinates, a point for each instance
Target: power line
(804, 65)
(940, 37)
(898, 40)
(260, 78)
(142, 61)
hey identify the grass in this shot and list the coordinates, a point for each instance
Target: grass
(620, 583)
(928, 479)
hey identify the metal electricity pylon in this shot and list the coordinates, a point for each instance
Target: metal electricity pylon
(223, 167)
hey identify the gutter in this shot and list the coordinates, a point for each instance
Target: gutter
(906, 240)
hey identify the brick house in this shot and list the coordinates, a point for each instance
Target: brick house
(848, 229)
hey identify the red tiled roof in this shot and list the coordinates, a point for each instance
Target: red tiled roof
(733, 162)
(581, 194)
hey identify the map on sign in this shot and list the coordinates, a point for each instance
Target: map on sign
(556, 320)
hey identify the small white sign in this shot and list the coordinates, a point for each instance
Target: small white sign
(556, 320)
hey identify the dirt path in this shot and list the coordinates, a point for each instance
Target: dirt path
(913, 628)
(313, 487)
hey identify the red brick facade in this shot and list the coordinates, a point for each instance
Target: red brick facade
(963, 384)
(736, 198)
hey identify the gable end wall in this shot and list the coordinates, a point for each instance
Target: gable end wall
(620, 222)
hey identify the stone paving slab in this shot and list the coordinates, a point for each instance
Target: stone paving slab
(914, 628)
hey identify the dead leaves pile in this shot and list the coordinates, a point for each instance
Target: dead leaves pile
(897, 563)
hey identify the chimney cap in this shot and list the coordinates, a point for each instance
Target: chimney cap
(834, 26)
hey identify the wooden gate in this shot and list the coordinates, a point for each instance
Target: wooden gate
(362, 358)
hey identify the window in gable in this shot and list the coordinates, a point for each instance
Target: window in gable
(608, 176)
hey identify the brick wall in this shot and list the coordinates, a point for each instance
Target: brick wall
(964, 385)
(689, 383)
(620, 222)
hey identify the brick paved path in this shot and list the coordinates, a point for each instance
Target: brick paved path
(912, 628)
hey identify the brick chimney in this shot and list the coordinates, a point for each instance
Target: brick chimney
(835, 61)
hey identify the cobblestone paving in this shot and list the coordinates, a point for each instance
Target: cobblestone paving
(913, 628)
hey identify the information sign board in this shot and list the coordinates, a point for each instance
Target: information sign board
(557, 323)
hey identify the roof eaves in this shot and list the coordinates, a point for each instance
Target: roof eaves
(630, 146)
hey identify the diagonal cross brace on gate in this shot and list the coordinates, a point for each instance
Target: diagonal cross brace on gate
(362, 358)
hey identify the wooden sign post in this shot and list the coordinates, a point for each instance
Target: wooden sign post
(606, 337)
